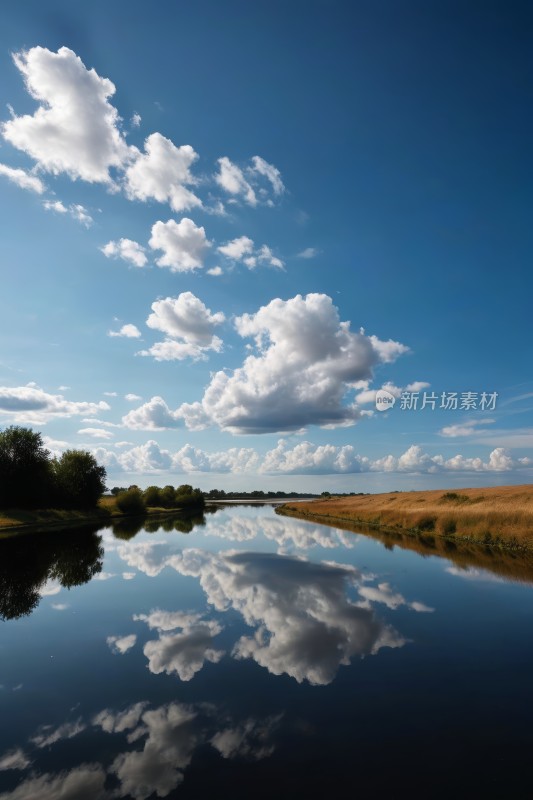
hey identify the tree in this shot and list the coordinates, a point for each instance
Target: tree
(152, 496)
(79, 479)
(168, 496)
(24, 468)
(131, 502)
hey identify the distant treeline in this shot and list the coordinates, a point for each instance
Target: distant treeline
(31, 478)
(133, 500)
(220, 494)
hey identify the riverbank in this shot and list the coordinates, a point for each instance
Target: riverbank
(14, 521)
(498, 517)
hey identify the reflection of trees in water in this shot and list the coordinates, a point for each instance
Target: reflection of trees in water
(127, 527)
(28, 562)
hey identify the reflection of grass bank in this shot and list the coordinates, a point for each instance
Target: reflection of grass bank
(466, 555)
(497, 517)
(13, 521)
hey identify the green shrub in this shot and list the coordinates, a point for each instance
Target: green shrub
(152, 496)
(131, 502)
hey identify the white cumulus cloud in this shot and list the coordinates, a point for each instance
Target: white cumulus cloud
(152, 416)
(243, 249)
(75, 129)
(185, 651)
(128, 331)
(183, 244)
(31, 404)
(162, 173)
(121, 644)
(306, 362)
(127, 250)
(189, 327)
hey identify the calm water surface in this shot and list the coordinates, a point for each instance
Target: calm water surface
(252, 655)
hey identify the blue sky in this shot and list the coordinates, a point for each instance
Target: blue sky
(226, 225)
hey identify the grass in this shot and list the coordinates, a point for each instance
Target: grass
(498, 516)
(13, 520)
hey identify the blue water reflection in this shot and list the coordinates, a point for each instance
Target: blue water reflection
(254, 652)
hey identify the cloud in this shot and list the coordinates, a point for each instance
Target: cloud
(128, 331)
(135, 120)
(243, 249)
(187, 319)
(172, 736)
(382, 593)
(183, 653)
(306, 364)
(235, 460)
(56, 446)
(48, 735)
(132, 398)
(14, 759)
(50, 588)
(466, 428)
(60, 606)
(306, 458)
(75, 130)
(30, 404)
(270, 172)
(148, 457)
(120, 722)
(55, 205)
(184, 244)
(249, 739)
(86, 782)
(162, 173)
(121, 644)
(75, 210)
(304, 624)
(154, 415)
(22, 179)
(309, 252)
(80, 213)
(296, 536)
(236, 249)
(231, 178)
(127, 250)
(414, 460)
(473, 574)
(216, 271)
(246, 184)
(96, 433)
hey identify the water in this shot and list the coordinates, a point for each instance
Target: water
(247, 654)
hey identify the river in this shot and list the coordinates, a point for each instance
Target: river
(243, 654)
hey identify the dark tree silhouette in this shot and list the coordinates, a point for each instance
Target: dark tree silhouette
(79, 479)
(24, 468)
(28, 562)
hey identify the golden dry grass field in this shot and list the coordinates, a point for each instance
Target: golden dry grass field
(499, 516)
